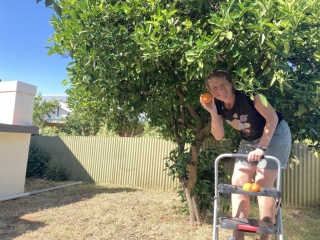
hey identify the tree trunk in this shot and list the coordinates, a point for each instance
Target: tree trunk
(195, 201)
(190, 205)
(188, 185)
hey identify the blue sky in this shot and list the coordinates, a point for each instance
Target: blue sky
(24, 30)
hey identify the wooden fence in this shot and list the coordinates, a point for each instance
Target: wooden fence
(139, 162)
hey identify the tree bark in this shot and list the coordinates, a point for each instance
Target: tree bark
(188, 185)
(195, 213)
(192, 211)
(195, 201)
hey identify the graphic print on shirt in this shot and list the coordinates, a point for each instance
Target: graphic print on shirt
(240, 124)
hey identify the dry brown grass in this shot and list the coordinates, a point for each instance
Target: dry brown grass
(112, 212)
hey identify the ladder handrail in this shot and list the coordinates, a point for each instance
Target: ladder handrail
(240, 155)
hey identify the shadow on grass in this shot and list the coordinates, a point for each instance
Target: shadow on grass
(18, 216)
(12, 227)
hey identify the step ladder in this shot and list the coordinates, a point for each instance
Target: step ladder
(244, 224)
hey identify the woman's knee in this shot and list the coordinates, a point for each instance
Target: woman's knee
(242, 174)
(266, 177)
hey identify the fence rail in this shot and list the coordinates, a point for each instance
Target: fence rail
(139, 162)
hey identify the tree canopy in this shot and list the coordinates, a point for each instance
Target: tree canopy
(151, 57)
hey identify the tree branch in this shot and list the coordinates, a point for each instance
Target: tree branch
(258, 70)
(193, 113)
(175, 129)
(191, 127)
(170, 70)
(183, 119)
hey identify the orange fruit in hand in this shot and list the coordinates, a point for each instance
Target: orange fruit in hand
(206, 97)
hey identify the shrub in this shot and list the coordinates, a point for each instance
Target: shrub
(56, 172)
(37, 162)
(40, 165)
(52, 131)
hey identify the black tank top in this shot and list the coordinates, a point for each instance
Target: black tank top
(244, 117)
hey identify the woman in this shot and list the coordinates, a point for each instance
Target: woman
(263, 132)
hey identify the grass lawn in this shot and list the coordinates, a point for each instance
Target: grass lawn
(89, 211)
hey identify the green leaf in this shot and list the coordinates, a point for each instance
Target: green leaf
(189, 59)
(274, 78)
(317, 111)
(153, 22)
(314, 131)
(287, 84)
(48, 3)
(271, 44)
(286, 47)
(301, 110)
(65, 82)
(262, 38)
(158, 10)
(317, 54)
(190, 40)
(150, 28)
(229, 35)
(253, 27)
(57, 9)
(269, 24)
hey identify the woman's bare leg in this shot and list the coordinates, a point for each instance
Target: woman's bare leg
(266, 178)
(241, 203)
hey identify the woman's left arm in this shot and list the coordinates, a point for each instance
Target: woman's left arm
(266, 111)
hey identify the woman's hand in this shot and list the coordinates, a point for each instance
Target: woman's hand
(255, 155)
(210, 107)
(217, 128)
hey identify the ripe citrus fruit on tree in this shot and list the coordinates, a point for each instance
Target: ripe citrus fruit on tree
(206, 97)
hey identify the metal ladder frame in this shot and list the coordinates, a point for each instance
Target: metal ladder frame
(215, 235)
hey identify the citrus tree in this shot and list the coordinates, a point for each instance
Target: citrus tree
(151, 57)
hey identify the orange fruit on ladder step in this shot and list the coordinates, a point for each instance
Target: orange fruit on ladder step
(251, 187)
(246, 187)
(255, 187)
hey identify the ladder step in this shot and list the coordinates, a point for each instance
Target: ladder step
(270, 192)
(248, 225)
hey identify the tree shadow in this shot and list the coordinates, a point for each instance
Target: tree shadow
(18, 216)
(62, 154)
(12, 227)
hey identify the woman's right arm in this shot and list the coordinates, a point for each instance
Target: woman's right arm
(217, 128)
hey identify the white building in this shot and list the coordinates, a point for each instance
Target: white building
(58, 112)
